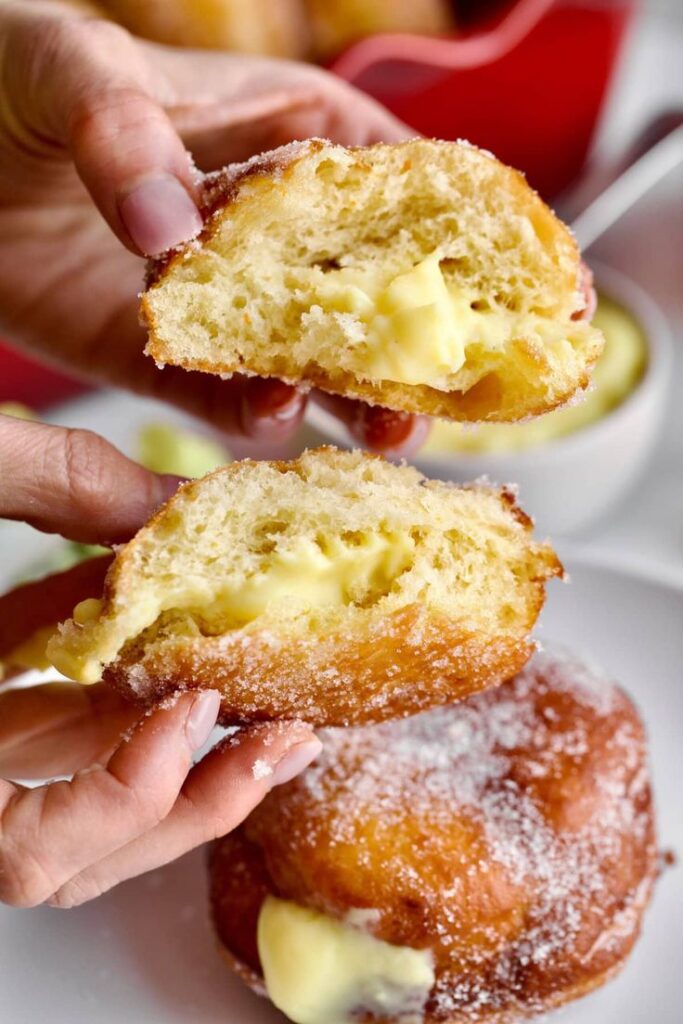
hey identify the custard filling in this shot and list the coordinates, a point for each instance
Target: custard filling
(318, 970)
(302, 574)
(617, 373)
(417, 328)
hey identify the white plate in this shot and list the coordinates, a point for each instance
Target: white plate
(144, 953)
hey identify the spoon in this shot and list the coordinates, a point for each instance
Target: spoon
(630, 186)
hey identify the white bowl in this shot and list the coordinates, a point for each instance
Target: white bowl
(566, 483)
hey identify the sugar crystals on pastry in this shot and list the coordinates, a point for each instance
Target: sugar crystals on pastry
(424, 276)
(337, 588)
(480, 863)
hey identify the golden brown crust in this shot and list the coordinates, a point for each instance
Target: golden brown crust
(261, 26)
(513, 835)
(336, 25)
(415, 661)
(478, 405)
(485, 401)
(398, 665)
(392, 663)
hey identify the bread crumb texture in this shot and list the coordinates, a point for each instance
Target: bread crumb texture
(338, 587)
(424, 276)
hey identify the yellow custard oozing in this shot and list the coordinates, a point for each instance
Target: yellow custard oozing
(617, 372)
(306, 572)
(417, 328)
(318, 970)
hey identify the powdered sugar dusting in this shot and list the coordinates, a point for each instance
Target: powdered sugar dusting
(261, 769)
(546, 778)
(219, 184)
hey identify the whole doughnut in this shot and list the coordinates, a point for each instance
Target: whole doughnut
(511, 835)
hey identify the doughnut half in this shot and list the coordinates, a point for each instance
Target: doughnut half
(423, 276)
(510, 835)
(338, 588)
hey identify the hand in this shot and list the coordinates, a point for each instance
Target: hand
(95, 173)
(135, 803)
(139, 803)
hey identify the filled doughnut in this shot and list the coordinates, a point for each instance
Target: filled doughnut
(424, 276)
(337, 23)
(482, 862)
(338, 588)
(247, 26)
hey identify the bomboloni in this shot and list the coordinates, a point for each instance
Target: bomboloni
(480, 863)
(338, 588)
(423, 276)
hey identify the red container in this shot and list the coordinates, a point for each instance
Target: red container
(529, 86)
(23, 379)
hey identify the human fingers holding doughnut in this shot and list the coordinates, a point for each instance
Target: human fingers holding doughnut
(96, 130)
(69, 841)
(134, 802)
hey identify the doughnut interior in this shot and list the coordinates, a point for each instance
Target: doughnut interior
(337, 588)
(424, 276)
(507, 842)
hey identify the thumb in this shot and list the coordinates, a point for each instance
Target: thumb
(217, 795)
(75, 483)
(85, 84)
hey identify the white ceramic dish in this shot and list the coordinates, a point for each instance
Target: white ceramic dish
(144, 953)
(570, 482)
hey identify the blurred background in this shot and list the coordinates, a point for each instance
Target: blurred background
(584, 96)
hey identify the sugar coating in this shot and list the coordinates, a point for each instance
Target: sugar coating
(536, 794)
(261, 769)
(447, 611)
(254, 296)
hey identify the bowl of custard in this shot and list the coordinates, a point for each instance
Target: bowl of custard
(574, 464)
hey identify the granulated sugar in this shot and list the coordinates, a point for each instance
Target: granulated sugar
(261, 769)
(531, 795)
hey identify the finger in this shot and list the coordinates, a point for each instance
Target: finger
(251, 103)
(219, 794)
(270, 409)
(42, 603)
(59, 728)
(50, 834)
(396, 434)
(75, 483)
(335, 116)
(250, 407)
(85, 84)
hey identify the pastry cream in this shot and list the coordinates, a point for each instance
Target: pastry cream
(318, 970)
(86, 611)
(418, 328)
(616, 374)
(326, 571)
(308, 572)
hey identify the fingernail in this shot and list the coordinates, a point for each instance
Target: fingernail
(295, 760)
(159, 213)
(382, 428)
(269, 407)
(588, 291)
(202, 717)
